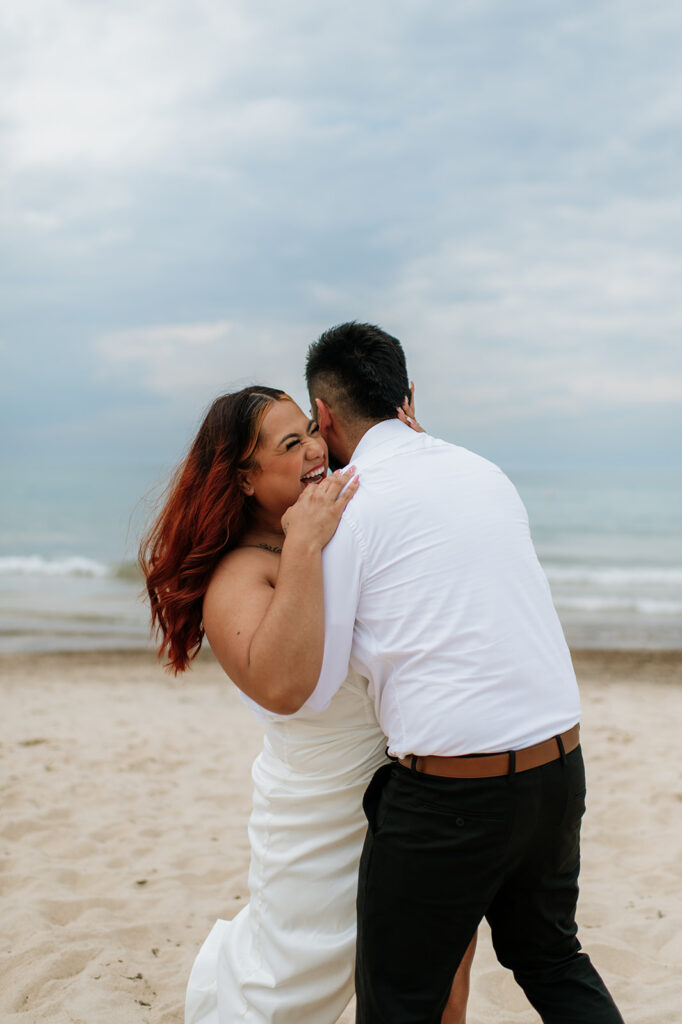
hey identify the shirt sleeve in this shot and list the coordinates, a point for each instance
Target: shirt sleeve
(341, 568)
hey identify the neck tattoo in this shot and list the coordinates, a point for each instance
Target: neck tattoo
(265, 547)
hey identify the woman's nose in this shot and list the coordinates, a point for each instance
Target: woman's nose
(315, 447)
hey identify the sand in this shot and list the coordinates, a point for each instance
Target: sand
(125, 796)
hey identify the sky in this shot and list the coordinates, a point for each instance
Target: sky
(193, 191)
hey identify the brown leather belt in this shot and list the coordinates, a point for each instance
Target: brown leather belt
(487, 766)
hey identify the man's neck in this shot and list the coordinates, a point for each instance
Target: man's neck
(354, 433)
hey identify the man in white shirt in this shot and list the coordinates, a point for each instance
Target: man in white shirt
(434, 592)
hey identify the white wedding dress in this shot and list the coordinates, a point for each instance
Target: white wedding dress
(288, 956)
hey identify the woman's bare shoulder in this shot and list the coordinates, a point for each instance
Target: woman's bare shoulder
(242, 567)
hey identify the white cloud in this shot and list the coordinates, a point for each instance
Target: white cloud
(166, 359)
(496, 185)
(141, 343)
(195, 362)
(548, 323)
(109, 85)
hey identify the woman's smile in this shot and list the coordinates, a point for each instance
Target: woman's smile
(315, 475)
(291, 455)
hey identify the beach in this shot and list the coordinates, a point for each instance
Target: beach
(125, 799)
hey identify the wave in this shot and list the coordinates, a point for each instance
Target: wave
(642, 606)
(72, 565)
(610, 576)
(127, 571)
(37, 565)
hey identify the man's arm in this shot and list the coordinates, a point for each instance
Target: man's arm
(342, 574)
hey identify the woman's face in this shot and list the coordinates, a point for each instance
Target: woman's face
(290, 456)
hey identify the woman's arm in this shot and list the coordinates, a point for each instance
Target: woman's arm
(265, 623)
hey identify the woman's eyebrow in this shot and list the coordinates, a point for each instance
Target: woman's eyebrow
(287, 437)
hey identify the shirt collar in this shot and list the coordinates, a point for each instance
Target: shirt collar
(387, 432)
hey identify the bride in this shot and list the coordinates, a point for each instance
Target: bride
(236, 555)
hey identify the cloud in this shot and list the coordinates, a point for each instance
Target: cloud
(192, 363)
(108, 85)
(550, 323)
(195, 191)
(161, 342)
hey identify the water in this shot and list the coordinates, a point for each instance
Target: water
(68, 542)
(609, 540)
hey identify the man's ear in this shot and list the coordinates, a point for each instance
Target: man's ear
(324, 415)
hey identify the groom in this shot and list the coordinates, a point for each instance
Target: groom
(434, 592)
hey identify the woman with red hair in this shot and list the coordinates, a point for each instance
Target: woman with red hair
(236, 555)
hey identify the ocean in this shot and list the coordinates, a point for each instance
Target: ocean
(609, 540)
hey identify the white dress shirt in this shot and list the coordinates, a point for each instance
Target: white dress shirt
(433, 591)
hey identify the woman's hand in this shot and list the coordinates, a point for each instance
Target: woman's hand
(406, 412)
(317, 512)
(270, 638)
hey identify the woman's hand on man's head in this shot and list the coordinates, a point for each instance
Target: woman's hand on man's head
(406, 413)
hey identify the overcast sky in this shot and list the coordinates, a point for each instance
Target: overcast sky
(193, 189)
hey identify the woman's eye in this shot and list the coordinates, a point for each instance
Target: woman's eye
(292, 444)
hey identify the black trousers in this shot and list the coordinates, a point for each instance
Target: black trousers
(440, 855)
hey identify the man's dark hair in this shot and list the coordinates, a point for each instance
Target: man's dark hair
(362, 368)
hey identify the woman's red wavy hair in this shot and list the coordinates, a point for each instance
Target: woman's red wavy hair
(203, 516)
